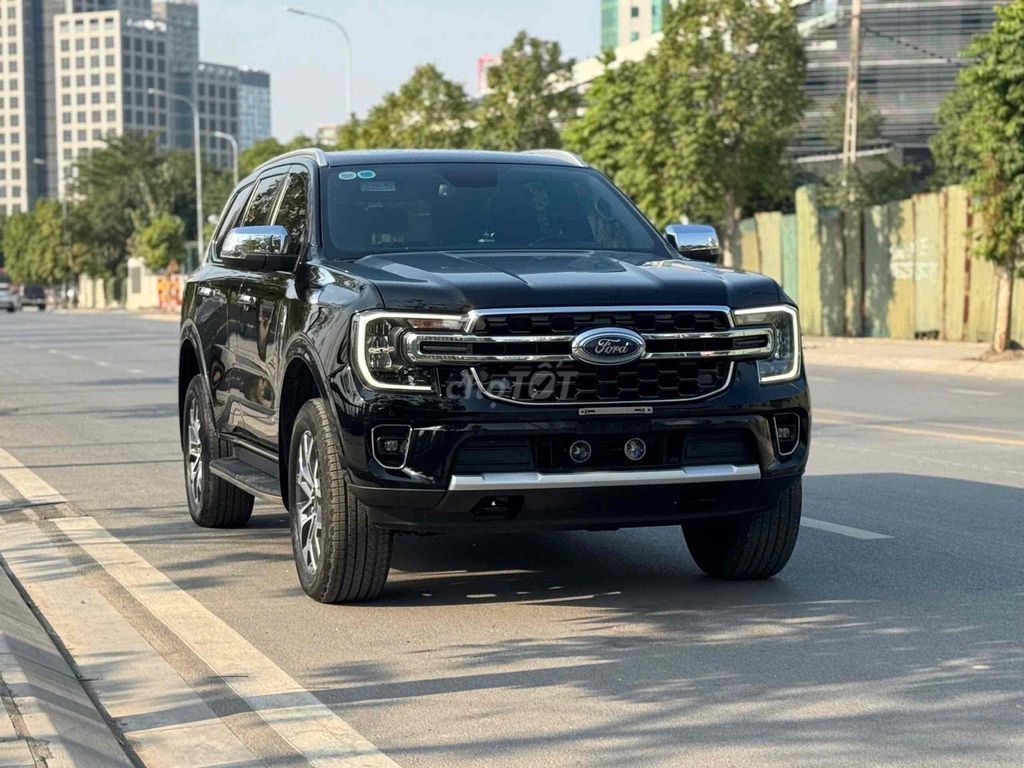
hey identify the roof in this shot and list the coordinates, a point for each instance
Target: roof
(394, 156)
(384, 156)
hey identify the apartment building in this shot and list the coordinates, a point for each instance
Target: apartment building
(75, 72)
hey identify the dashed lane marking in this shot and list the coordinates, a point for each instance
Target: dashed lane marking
(842, 530)
(975, 392)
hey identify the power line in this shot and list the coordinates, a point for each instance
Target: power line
(911, 46)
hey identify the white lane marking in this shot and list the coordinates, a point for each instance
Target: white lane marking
(165, 721)
(975, 392)
(102, 363)
(31, 486)
(136, 372)
(842, 530)
(53, 351)
(298, 716)
(73, 356)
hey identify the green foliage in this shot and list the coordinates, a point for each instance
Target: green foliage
(428, 111)
(262, 151)
(981, 134)
(700, 127)
(870, 123)
(530, 98)
(160, 242)
(34, 246)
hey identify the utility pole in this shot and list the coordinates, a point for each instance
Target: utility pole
(852, 260)
(852, 99)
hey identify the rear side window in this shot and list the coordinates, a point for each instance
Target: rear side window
(231, 217)
(293, 213)
(262, 203)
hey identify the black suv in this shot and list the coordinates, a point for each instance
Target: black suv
(429, 341)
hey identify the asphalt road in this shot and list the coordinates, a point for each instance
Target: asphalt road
(894, 637)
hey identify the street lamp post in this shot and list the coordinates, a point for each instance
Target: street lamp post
(234, 150)
(348, 51)
(199, 162)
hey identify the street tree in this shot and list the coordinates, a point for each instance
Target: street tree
(531, 97)
(262, 151)
(870, 181)
(35, 249)
(710, 114)
(161, 242)
(428, 111)
(981, 144)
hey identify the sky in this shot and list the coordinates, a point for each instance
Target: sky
(390, 38)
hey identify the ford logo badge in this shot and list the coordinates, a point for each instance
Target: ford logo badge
(608, 346)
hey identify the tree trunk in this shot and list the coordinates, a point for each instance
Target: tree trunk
(1004, 303)
(730, 240)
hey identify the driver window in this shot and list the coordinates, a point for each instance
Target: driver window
(293, 212)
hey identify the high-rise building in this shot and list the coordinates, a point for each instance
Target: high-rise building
(106, 64)
(253, 106)
(75, 72)
(910, 56)
(217, 93)
(626, 21)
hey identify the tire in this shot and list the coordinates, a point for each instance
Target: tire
(212, 501)
(755, 546)
(339, 555)
(42, 309)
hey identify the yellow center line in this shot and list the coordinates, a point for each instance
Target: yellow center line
(942, 434)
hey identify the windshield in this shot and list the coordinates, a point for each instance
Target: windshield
(390, 208)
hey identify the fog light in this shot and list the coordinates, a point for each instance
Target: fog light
(390, 444)
(580, 452)
(787, 433)
(635, 449)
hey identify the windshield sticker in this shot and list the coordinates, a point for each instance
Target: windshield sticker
(347, 175)
(367, 174)
(377, 186)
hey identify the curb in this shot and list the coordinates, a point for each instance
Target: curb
(54, 721)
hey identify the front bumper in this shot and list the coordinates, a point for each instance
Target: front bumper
(438, 489)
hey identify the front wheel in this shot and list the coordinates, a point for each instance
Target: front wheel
(755, 546)
(339, 555)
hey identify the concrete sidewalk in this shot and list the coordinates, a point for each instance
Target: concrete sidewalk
(47, 720)
(944, 357)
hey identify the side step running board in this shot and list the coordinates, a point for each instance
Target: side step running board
(248, 478)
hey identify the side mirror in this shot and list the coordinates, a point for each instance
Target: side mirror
(258, 248)
(694, 241)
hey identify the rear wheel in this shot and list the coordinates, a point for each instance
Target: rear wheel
(212, 501)
(754, 546)
(339, 555)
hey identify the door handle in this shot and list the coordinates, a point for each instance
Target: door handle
(246, 299)
(205, 290)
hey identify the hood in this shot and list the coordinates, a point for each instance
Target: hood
(457, 282)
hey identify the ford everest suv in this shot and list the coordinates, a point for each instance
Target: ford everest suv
(399, 342)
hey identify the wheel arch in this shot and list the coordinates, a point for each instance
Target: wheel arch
(303, 380)
(190, 365)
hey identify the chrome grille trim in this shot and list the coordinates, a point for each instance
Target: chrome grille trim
(414, 341)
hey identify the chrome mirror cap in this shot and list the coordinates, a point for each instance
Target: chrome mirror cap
(694, 241)
(242, 242)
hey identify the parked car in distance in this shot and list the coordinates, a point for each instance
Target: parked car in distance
(9, 298)
(396, 342)
(33, 296)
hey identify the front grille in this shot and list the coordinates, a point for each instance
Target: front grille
(529, 356)
(569, 322)
(573, 382)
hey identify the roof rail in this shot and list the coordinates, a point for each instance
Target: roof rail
(314, 152)
(557, 154)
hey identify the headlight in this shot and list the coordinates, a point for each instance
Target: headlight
(784, 364)
(376, 348)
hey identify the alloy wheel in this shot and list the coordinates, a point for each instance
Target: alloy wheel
(195, 454)
(308, 503)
